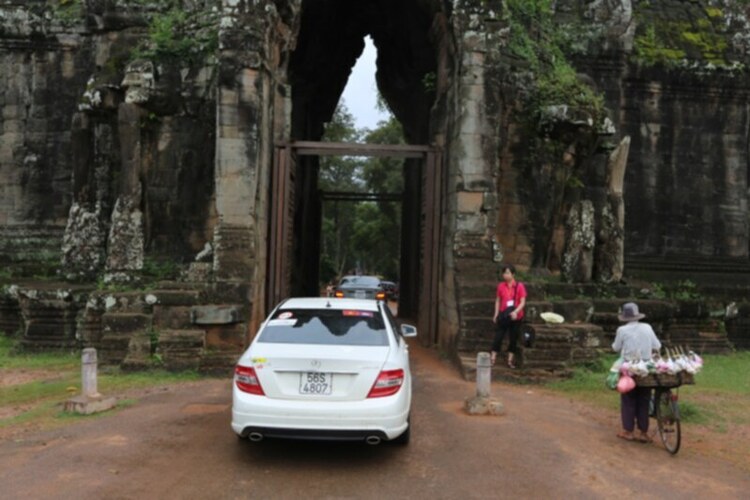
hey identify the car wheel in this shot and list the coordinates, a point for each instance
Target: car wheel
(403, 439)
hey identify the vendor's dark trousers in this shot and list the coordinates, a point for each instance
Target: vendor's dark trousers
(513, 330)
(634, 407)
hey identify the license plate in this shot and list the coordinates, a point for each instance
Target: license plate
(315, 383)
(359, 294)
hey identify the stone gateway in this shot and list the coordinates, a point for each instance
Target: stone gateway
(161, 138)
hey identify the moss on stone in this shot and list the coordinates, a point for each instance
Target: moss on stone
(538, 42)
(175, 34)
(650, 50)
(695, 38)
(68, 12)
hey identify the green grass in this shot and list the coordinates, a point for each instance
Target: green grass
(719, 399)
(48, 361)
(40, 400)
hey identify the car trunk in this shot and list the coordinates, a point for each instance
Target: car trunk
(317, 372)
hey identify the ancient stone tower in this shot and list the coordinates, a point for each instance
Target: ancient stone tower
(186, 131)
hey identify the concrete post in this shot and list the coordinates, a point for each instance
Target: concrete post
(484, 374)
(483, 403)
(90, 401)
(88, 373)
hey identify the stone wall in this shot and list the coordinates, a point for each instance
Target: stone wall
(674, 77)
(114, 161)
(44, 66)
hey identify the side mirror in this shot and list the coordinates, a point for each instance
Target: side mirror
(408, 331)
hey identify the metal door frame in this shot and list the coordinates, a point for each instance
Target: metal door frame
(281, 218)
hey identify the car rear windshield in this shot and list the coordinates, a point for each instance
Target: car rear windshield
(361, 281)
(325, 326)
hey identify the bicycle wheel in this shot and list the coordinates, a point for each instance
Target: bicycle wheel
(668, 420)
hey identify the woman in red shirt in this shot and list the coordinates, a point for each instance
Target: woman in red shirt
(509, 303)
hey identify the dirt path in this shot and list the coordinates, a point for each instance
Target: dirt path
(177, 444)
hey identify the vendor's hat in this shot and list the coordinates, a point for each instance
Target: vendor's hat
(630, 312)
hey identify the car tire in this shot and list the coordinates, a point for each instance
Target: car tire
(403, 439)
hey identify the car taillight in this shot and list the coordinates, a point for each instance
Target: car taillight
(339, 294)
(380, 295)
(247, 380)
(387, 384)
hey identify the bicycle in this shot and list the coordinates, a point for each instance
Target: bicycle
(664, 407)
(666, 411)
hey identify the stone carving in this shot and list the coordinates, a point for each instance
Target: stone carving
(610, 251)
(83, 243)
(139, 82)
(578, 259)
(125, 240)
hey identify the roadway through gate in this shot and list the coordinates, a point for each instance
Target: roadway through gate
(295, 216)
(175, 442)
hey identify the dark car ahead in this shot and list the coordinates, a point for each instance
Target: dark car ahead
(391, 289)
(360, 287)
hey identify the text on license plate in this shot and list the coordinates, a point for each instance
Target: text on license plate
(359, 294)
(315, 383)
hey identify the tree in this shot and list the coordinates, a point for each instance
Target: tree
(365, 234)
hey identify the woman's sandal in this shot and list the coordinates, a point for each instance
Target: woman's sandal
(626, 436)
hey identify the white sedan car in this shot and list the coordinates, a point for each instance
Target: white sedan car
(323, 368)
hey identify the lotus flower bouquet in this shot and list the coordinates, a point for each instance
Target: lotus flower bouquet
(674, 361)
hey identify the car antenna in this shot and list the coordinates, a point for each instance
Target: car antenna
(328, 303)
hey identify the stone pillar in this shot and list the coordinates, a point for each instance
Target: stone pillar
(125, 247)
(89, 401)
(88, 373)
(484, 374)
(578, 259)
(483, 403)
(243, 136)
(472, 164)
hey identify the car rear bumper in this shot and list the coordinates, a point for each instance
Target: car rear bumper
(315, 434)
(385, 417)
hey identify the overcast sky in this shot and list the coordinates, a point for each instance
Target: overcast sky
(360, 94)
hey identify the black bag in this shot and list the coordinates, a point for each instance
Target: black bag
(504, 318)
(528, 337)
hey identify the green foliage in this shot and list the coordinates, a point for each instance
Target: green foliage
(361, 234)
(68, 12)
(682, 290)
(114, 286)
(159, 269)
(429, 81)
(658, 291)
(46, 267)
(538, 42)
(685, 290)
(177, 35)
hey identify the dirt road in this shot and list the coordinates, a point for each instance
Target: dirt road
(177, 443)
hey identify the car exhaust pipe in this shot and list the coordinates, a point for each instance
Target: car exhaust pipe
(372, 440)
(255, 437)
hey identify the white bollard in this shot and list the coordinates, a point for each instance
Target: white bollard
(484, 374)
(88, 373)
(483, 403)
(90, 401)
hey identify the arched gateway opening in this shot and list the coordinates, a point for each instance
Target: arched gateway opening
(330, 39)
